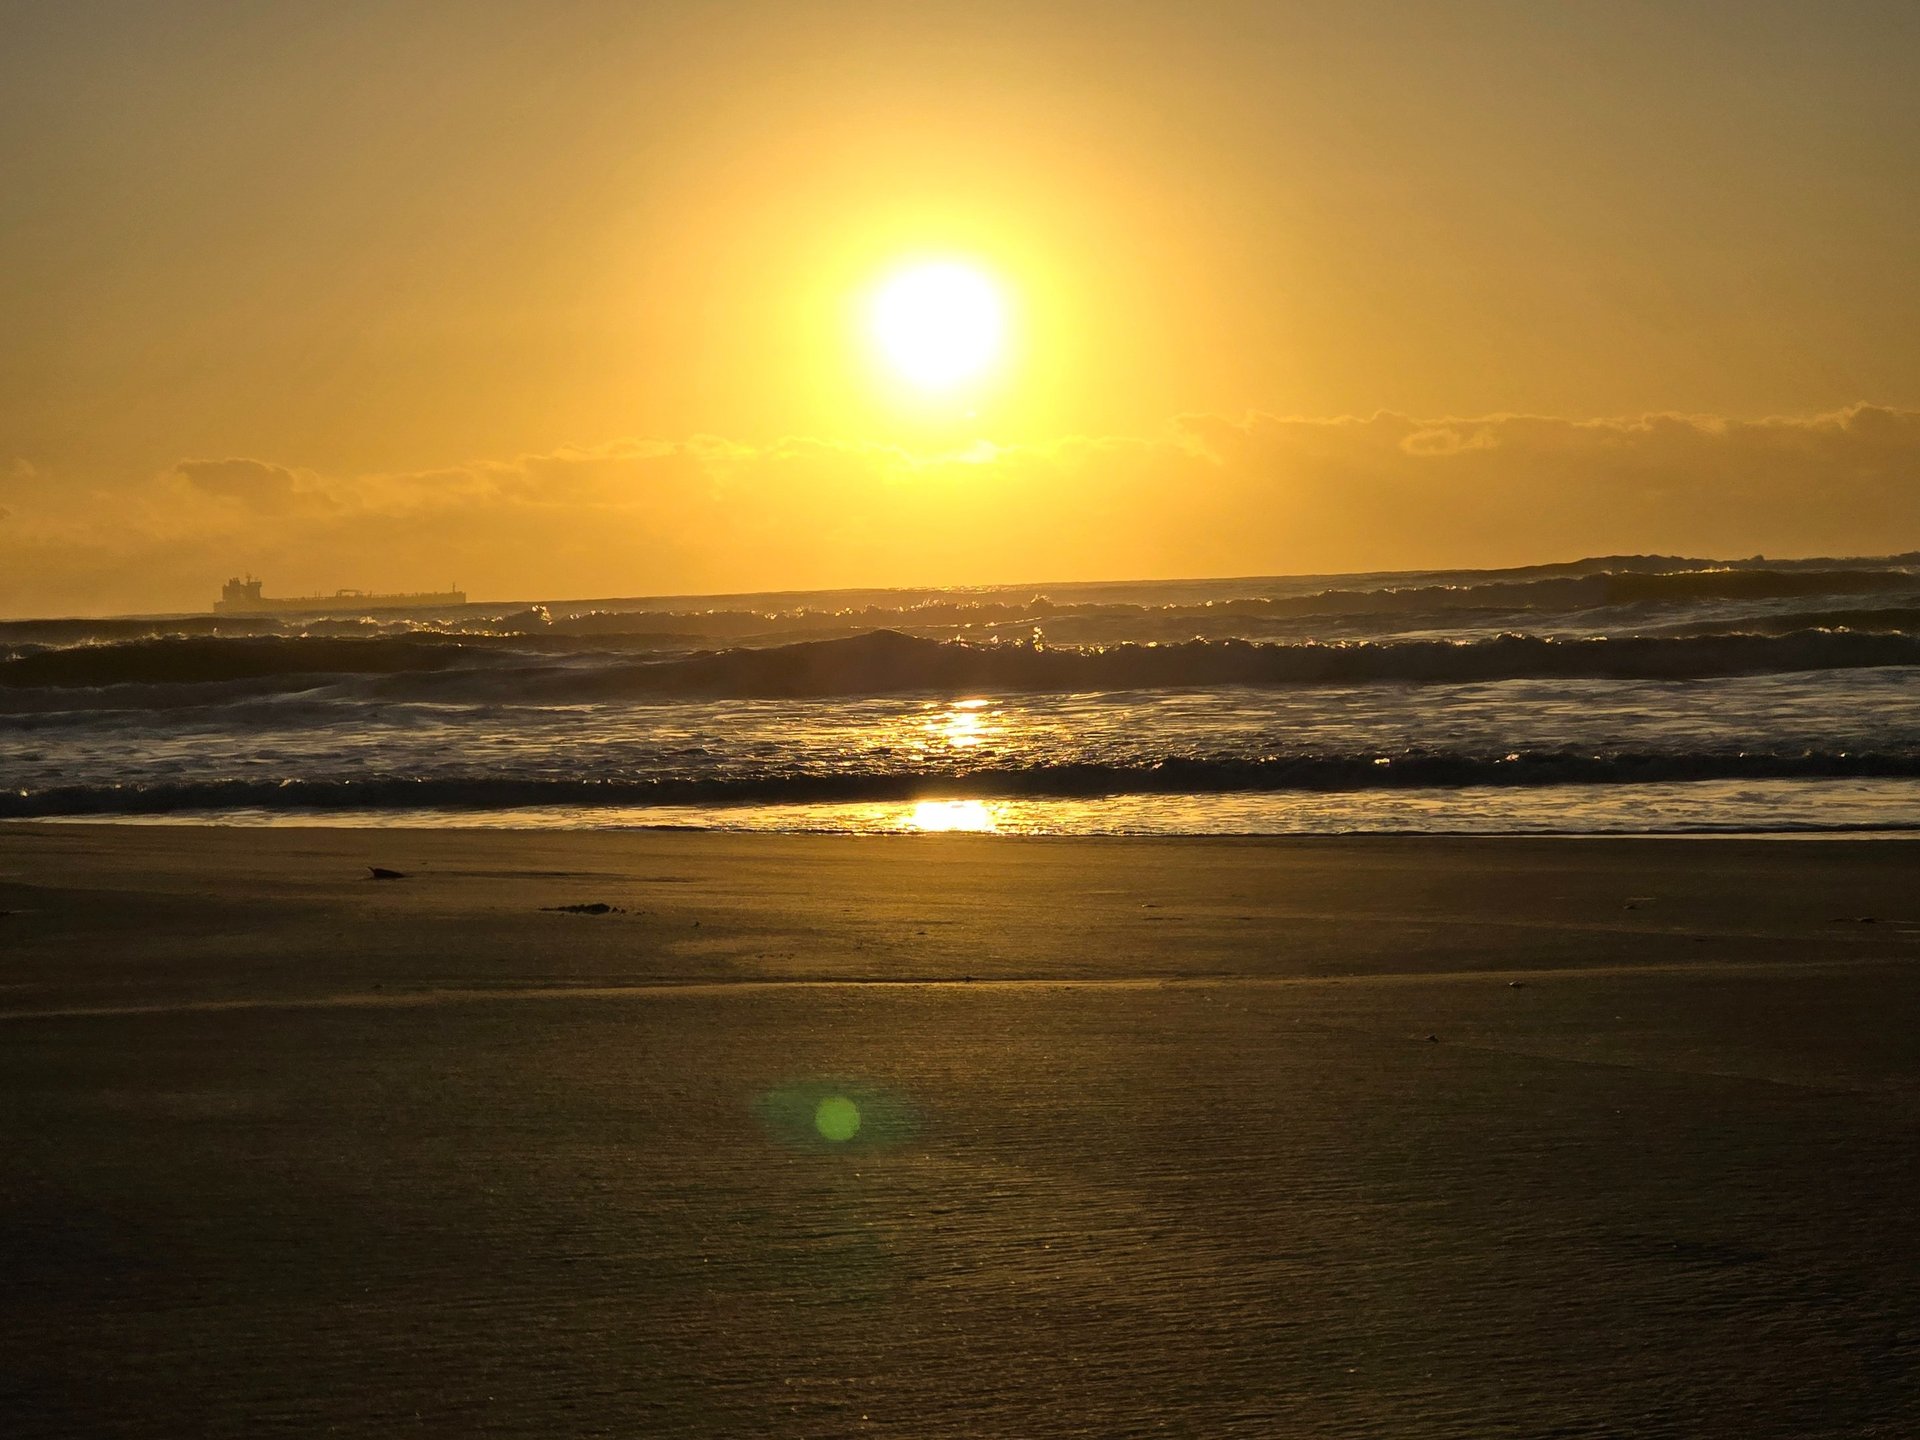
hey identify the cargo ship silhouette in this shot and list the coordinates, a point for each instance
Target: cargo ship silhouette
(243, 597)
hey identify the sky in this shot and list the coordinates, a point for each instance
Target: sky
(566, 299)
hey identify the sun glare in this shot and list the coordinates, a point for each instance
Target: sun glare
(943, 815)
(939, 323)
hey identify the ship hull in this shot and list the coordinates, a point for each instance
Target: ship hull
(340, 604)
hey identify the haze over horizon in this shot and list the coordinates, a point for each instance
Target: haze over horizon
(573, 301)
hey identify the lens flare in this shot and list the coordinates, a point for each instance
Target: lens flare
(837, 1118)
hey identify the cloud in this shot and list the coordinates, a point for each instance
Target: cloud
(1209, 494)
(253, 482)
(1505, 489)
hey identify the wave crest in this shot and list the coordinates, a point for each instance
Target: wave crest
(888, 662)
(1168, 775)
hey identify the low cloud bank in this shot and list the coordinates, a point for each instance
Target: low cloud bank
(1209, 495)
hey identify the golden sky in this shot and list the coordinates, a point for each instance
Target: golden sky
(566, 298)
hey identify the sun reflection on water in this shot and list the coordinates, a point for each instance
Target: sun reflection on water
(974, 815)
(959, 726)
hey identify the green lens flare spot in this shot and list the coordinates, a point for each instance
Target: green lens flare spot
(835, 1112)
(837, 1118)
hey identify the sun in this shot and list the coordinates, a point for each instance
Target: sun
(938, 324)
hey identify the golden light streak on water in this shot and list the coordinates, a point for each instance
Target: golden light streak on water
(959, 726)
(943, 815)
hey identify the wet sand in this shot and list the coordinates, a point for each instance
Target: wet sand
(1310, 1137)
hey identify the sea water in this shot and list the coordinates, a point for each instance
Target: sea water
(1613, 694)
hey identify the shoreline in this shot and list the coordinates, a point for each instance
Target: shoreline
(304, 825)
(461, 825)
(1669, 808)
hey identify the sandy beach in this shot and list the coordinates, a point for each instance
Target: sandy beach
(1421, 1137)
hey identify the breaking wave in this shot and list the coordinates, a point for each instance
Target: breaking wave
(888, 662)
(1170, 775)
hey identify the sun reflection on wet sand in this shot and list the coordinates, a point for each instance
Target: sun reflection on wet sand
(976, 815)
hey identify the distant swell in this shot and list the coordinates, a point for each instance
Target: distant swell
(200, 660)
(1584, 592)
(1173, 775)
(1534, 595)
(887, 662)
(1609, 585)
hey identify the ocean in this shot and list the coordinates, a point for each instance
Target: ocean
(1613, 694)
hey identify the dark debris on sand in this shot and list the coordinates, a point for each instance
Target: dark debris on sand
(598, 907)
(380, 872)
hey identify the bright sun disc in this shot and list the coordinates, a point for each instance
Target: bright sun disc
(939, 323)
